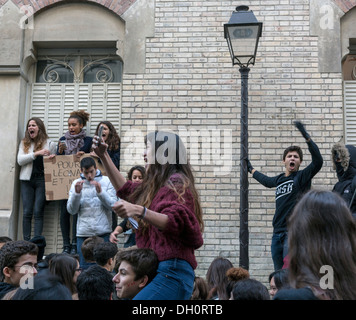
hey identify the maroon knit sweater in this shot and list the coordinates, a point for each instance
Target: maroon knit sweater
(182, 234)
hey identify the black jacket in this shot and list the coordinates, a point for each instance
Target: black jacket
(346, 172)
(5, 288)
(289, 189)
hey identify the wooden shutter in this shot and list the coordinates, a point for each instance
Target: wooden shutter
(350, 112)
(53, 103)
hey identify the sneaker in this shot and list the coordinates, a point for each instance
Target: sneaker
(66, 249)
(73, 250)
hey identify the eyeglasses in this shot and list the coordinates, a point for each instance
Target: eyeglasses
(79, 269)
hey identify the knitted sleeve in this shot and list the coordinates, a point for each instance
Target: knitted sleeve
(182, 222)
(125, 191)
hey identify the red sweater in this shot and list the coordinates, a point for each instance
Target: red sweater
(182, 234)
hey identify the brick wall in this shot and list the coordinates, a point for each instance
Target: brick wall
(190, 82)
(190, 86)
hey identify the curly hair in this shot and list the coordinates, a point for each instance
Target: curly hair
(11, 252)
(81, 115)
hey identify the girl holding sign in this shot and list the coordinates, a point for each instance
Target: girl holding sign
(32, 148)
(75, 141)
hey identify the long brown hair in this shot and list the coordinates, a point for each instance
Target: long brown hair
(167, 161)
(113, 140)
(64, 266)
(217, 279)
(322, 232)
(40, 139)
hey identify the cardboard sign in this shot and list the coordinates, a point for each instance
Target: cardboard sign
(60, 172)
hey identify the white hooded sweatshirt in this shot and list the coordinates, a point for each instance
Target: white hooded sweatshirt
(93, 209)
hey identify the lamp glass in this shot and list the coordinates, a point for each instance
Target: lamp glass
(243, 39)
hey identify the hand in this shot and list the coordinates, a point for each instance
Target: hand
(43, 152)
(93, 154)
(79, 154)
(126, 209)
(61, 146)
(302, 130)
(99, 147)
(249, 166)
(79, 186)
(97, 185)
(113, 237)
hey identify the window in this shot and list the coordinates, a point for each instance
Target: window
(72, 79)
(79, 70)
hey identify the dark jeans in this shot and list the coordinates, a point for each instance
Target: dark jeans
(65, 225)
(279, 249)
(33, 199)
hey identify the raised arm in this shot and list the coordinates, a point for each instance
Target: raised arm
(115, 176)
(317, 159)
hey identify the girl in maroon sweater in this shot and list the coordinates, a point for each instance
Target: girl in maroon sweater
(167, 207)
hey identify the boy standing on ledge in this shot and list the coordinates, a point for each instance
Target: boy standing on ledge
(290, 185)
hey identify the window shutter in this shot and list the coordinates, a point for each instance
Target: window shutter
(350, 111)
(53, 102)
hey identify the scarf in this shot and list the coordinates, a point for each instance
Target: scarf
(74, 142)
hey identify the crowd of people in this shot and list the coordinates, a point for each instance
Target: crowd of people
(162, 220)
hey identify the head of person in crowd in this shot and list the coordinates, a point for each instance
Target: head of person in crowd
(18, 260)
(217, 279)
(104, 255)
(66, 267)
(233, 275)
(249, 289)
(109, 135)
(88, 168)
(278, 280)
(292, 158)
(136, 174)
(95, 283)
(3, 240)
(88, 248)
(46, 286)
(35, 133)
(322, 244)
(166, 155)
(200, 290)
(43, 265)
(137, 267)
(77, 121)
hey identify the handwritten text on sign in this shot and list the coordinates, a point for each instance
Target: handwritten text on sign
(60, 172)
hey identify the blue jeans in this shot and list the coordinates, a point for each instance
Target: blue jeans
(174, 281)
(33, 199)
(82, 262)
(279, 249)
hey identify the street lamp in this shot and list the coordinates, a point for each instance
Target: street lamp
(242, 33)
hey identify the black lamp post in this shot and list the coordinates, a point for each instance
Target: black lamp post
(242, 33)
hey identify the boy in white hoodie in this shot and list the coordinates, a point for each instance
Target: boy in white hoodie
(91, 197)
